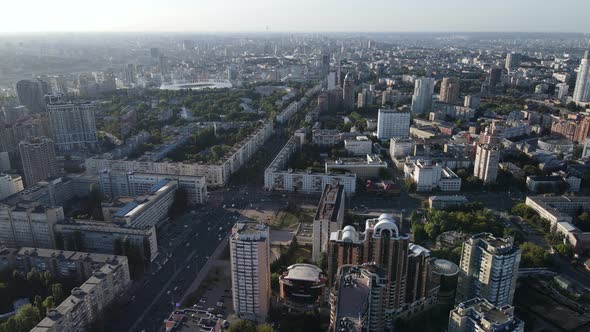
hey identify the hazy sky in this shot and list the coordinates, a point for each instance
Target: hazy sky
(294, 15)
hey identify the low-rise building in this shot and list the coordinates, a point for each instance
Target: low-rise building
(401, 147)
(479, 315)
(558, 210)
(10, 184)
(301, 287)
(325, 137)
(441, 202)
(428, 176)
(369, 167)
(359, 146)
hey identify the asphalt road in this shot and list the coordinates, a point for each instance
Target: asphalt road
(183, 250)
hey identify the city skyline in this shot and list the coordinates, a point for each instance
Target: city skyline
(305, 16)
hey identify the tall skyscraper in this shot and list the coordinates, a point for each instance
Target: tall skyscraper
(487, 159)
(561, 90)
(31, 95)
(393, 123)
(332, 80)
(348, 92)
(73, 126)
(403, 264)
(582, 88)
(488, 269)
(479, 315)
(494, 78)
(38, 159)
(328, 218)
(512, 61)
(422, 98)
(449, 90)
(250, 270)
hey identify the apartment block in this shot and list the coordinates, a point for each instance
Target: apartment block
(479, 315)
(488, 269)
(250, 270)
(328, 218)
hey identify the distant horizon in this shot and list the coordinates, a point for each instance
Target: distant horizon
(302, 32)
(305, 16)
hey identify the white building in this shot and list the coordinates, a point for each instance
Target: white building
(561, 90)
(422, 98)
(116, 184)
(277, 176)
(30, 225)
(217, 174)
(10, 184)
(428, 176)
(146, 210)
(401, 147)
(368, 167)
(582, 88)
(359, 146)
(488, 269)
(98, 236)
(250, 270)
(479, 315)
(393, 122)
(487, 160)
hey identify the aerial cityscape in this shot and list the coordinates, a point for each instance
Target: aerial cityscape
(294, 176)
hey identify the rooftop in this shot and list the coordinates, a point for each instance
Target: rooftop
(304, 272)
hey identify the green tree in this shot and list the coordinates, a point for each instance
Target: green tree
(533, 256)
(264, 328)
(242, 326)
(57, 291)
(274, 281)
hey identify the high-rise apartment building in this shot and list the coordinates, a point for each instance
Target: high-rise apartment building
(561, 90)
(328, 218)
(582, 88)
(404, 267)
(31, 94)
(393, 123)
(28, 225)
(357, 299)
(479, 315)
(449, 90)
(512, 61)
(38, 159)
(348, 91)
(487, 160)
(10, 184)
(494, 78)
(488, 269)
(5, 162)
(422, 98)
(250, 270)
(73, 126)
